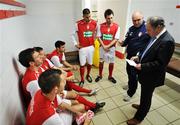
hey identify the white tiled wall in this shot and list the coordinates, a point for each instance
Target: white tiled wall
(45, 22)
(52, 20)
(13, 38)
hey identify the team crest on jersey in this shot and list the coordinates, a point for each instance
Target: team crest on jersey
(140, 33)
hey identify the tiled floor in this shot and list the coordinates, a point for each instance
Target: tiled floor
(165, 109)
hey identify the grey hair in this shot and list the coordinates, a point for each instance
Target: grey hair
(156, 21)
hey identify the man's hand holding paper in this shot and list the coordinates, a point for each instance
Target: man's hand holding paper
(131, 62)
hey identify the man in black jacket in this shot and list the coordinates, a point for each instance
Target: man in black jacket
(152, 65)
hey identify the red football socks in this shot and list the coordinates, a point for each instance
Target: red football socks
(85, 102)
(111, 67)
(77, 88)
(101, 65)
(82, 70)
(88, 69)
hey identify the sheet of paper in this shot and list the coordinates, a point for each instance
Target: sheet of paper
(131, 62)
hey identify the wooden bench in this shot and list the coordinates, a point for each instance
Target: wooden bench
(177, 48)
(174, 64)
(72, 56)
(174, 67)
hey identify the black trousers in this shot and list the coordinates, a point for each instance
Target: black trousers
(132, 80)
(145, 101)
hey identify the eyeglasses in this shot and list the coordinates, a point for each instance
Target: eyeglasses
(136, 20)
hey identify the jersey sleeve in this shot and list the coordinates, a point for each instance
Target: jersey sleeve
(51, 65)
(98, 31)
(59, 99)
(117, 35)
(32, 87)
(73, 36)
(63, 57)
(54, 120)
(56, 62)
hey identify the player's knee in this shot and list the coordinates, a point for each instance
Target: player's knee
(74, 94)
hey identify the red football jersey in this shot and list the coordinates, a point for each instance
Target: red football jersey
(55, 53)
(108, 33)
(40, 109)
(86, 32)
(29, 76)
(47, 64)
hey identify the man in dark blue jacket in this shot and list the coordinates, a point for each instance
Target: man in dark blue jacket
(134, 45)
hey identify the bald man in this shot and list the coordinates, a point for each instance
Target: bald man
(134, 45)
